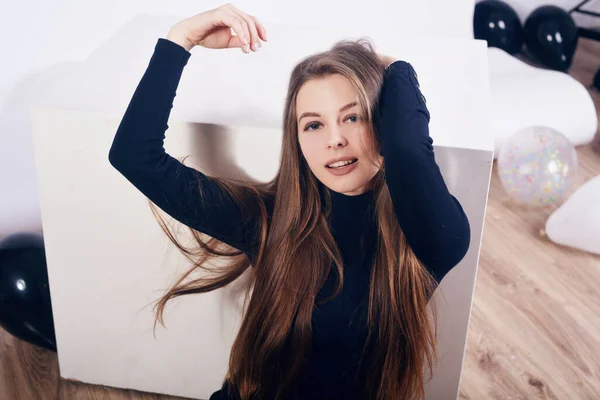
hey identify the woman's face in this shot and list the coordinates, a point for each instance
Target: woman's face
(331, 126)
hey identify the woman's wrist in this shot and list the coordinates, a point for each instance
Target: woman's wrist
(177, 37)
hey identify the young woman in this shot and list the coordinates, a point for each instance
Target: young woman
(345, 245)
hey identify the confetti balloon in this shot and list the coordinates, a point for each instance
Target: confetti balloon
(537, 166)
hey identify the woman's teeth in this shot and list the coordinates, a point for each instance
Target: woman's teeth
(340, 163)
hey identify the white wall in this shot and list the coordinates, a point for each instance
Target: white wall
(38, 35)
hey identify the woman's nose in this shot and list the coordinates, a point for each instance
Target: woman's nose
(336, 139)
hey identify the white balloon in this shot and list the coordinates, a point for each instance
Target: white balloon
(523, 95)
(576, 223)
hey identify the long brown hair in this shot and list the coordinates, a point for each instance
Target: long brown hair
(294, 254)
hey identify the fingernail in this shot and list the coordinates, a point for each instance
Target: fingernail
(246, 48)
(256, 46)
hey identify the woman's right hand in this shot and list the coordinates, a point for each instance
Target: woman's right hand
(212, 29)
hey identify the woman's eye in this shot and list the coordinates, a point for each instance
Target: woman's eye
(312, 126)
(352, 118)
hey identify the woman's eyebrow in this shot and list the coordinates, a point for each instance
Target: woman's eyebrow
(349, 105)
(314, 114)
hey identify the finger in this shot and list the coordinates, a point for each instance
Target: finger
(262, 32)
(236, 42)
(254, 39)
(230, 9)
(234, 22)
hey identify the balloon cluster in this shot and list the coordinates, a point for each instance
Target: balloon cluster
(25, 307)
(549, 33)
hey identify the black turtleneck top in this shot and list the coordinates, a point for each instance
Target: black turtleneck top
(432, 220)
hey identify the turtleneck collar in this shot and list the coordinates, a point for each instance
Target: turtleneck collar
(348, 207)
(343, 201)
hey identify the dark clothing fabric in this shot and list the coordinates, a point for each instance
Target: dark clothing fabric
(432, 220)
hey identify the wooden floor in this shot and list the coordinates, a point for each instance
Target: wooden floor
(535, 326)
(535, 322)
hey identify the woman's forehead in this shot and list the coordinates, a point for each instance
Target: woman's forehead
(325, 95)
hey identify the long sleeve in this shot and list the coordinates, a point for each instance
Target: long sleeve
(138, 153)
(431, 218)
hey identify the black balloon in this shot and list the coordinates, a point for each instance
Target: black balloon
(551, 37)
(498, 24)
(25, 307)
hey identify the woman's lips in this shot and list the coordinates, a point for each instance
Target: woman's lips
(342, 170)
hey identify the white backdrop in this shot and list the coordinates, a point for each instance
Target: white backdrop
(107, 257)
(38, 36)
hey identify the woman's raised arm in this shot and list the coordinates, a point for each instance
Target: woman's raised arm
(432, 219)
(138, 153)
